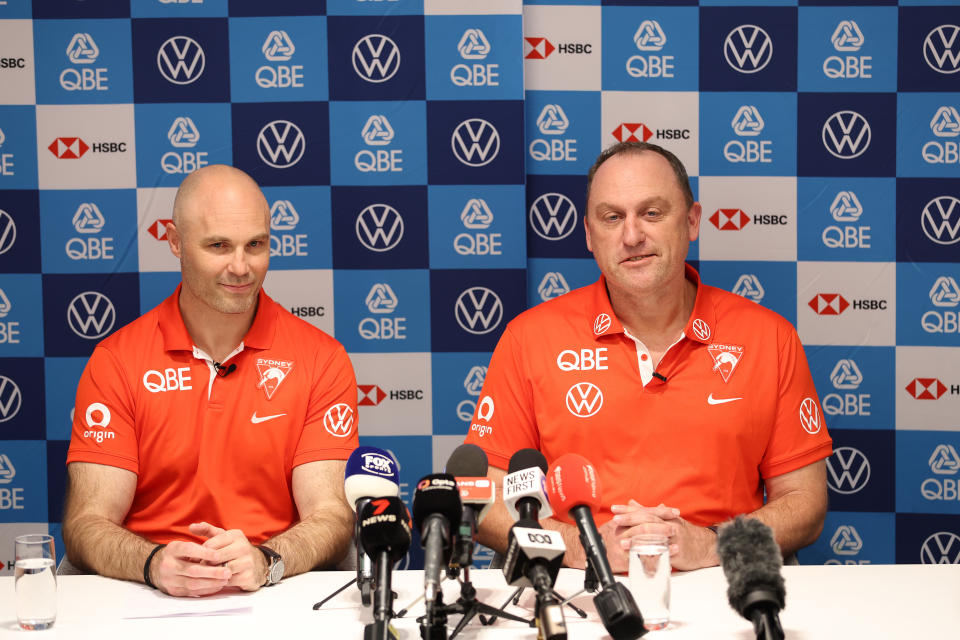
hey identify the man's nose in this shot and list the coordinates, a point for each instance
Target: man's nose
(633, 231)
(238, 263)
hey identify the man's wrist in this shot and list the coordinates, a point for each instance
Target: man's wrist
(148, 564)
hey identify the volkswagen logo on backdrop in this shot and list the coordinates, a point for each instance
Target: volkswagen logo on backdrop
(748, 48)
(379, 227)
(8, 232)
(846, 134)
(181, 60)
(553, 216)
(848, 470)
(91, 315)
(478, 310)
(10, 399)
(376, 58)
(475, 142)
(942, 547)
(941, 49)
(281, 144)
(940, 220)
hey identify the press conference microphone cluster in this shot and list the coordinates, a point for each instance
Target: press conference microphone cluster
(385, 534)
(574, 490)
(370, 473)
(751, 561)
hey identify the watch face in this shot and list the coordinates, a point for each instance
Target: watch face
(276, 572)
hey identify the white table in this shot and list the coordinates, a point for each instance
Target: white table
(872, 601)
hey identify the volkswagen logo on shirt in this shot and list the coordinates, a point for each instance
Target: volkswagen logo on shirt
(940, 220)
(281, 144)
(941, 49)
(478, 310)
(379, 227)
(942, 547)
(91, 315)
(338, 420)
(10, 399)
(475, 142)
(376, 58)
(848, 470)
(846, 135)
(8, 232)
(181, 60)
(810, 416)
(748, 48)
(601, 324)
(553, 216)
(584, 399)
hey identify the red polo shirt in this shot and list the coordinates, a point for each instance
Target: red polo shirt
(212, 448)
(738, 404)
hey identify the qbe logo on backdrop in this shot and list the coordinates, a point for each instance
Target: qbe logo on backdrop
(944, 465)
(474, 71)
(284, 218)
(944, 316)
(749, 134)
(846, 209)
(84, 64)
(371, 147)
(845, 399)
(299, 227)
(653, 48)
(553, 121)
(473, 57)
(945, 126)
(847, 219)
(23, 482)
(86, 147)
(847, 49)
(18, 152)
(477, 218)
(564, 126)
(552, 285)
(175, 140)
(278, 59)
(381, 312)
(469, 229)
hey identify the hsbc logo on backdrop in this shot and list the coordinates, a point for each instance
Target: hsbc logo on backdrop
(846, 375)
(553, 216)
(379, 227)
(538, 48)
(632, 132)
(183, 133)
(159, 228)
(91, 315)
(846, 135)
(942, 547)
(377, 131)
(376, 58)
(847, 36)
(475, 142)
(181, 60)
(478, 310)
(828, 304)
(848, 470)
(584, 399)
(748, 286)
(10, 399)
(846, 207)
(473, 45)
(941, 49)
(88, 218)
(278, 47)
(553, 285)
(945, 292)
(940, 220)
(281, 144)
(747, 121)
(283, 216)
(381, 299)
(846, 541)
(552, 120)
(926, 388)
(82, 49)
(8, 232)
(68, 148)
(748, 48)
(369, 395)
(476, 214)
(729, 219)
(944, 460)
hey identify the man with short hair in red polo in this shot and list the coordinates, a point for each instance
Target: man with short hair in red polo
(691, 402)
(210, 434)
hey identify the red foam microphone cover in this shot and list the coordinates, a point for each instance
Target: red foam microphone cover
(572, 481)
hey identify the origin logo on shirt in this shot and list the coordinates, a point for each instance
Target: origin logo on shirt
(726, 357)
(272, 373)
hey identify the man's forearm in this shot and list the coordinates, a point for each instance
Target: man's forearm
(318, 541)
(796, 521)
(96, 544)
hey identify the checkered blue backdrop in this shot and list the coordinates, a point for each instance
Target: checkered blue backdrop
(424, 161)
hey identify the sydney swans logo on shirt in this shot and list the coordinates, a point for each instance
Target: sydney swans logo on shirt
(726, 357)
(272, 373)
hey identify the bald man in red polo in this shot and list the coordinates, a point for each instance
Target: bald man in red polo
(682, 395)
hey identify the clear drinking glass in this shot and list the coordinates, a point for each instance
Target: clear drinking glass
(35, 577)
(649, 576)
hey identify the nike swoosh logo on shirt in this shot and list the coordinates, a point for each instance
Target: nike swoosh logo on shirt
(257, 420)
(712, 400)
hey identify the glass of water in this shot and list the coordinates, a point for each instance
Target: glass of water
(650, 578)
(35, 577)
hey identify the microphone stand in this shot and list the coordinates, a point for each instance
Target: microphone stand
(380, 628)
(515, 599)
(468, 605)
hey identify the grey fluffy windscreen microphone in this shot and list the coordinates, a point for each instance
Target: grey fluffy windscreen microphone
(751, 561)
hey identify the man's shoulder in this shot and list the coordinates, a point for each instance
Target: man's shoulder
(134, 336)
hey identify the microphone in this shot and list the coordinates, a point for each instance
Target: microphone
(224, 370)
(533, 559)
(525, 487)
(370, 473)
(385, 532)
(468, 463)
(436, 503)
(751, 561)
(574, 490)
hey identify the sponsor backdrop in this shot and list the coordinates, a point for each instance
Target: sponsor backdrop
(424, 161)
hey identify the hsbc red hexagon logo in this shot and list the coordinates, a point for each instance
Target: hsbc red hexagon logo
(369, 395)
(828, 304)
(68, 148)
(926, 388)
(159, 228)
(538, 48)
(729, 219)
(632, 132)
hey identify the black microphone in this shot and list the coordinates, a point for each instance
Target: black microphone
(385, 533)
(533, 559)
(524, 486)
(660, 376)
(224, 370)
(468, 464)
(751, 561)
(436, 503)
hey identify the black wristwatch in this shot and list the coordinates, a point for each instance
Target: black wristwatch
(275, 567)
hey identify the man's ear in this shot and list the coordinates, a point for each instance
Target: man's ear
(693, 220)
(174, 240)
(586, 229)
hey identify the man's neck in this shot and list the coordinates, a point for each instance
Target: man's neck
(217, 334)
(656, 319)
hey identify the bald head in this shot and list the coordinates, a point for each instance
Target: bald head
(216, 183)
